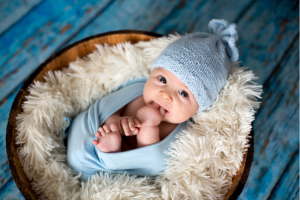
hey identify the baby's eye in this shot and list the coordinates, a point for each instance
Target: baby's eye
(162, 79)
(183, 93)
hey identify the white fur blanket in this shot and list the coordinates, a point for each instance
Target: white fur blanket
(203, 160)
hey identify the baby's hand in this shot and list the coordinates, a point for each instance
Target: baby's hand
(128, 125)
(151, 114)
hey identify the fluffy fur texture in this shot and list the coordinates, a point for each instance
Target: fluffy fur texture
(203, 160)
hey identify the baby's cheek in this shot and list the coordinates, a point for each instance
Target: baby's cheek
(177, 116)
(149, 90)
(148, 97)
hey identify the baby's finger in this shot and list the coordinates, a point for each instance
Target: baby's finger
(162, 111)
(137, 123)
(125, 127)
(135, 131)
(155, 105)
(131, 123)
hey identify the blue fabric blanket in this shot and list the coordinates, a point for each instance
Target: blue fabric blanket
(83, 156)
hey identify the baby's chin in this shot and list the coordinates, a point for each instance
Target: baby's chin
(170, 118)
(170, 121)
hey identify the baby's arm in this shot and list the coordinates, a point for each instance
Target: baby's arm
(147, 135)
(150, 116)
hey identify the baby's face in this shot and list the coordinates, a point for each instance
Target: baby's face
(165, 89)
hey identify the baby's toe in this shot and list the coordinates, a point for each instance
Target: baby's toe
(98, 134)
(106, 129)
(95, 142)
(102, 131)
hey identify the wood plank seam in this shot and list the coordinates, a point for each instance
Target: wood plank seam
(84, 25)
(170, 15)
(2, 81)
(244, 11)
(281, 175)
(11, 25)
(277, 68)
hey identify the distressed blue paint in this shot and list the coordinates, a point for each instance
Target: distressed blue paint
(276, 128)
(10, 192)
(5, 174)
(133, 14)
(295, 193)
(36, 36)
(266, 31)
(195, 15)
(289, 183)
(12, 10)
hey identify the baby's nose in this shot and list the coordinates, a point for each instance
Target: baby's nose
(165, 95)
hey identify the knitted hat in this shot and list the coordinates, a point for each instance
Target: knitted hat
(201, 60)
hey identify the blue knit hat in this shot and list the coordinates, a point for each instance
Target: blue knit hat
(202, 60)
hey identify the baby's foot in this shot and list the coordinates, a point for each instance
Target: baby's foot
(108, 141)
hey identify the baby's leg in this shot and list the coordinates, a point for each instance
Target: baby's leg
(108, 141)
(147, 135)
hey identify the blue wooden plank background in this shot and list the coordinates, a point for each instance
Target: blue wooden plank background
(32, 30)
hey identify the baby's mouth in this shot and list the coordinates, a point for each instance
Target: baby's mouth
(166, 111)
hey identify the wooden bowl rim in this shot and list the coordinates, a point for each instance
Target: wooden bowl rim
(28, 193)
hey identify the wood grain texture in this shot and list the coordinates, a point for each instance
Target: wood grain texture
(13, 10)
(5, 174)
(277, 128)
(194, 16)
(39, 34)
(11, 192)
(266, 32)
(288, 186)
(170, 16)
(136, 15)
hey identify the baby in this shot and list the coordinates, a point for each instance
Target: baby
(185, 79)
(197, 61)
(164, 96)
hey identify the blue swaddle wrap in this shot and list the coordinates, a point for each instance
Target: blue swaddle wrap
(83, 156)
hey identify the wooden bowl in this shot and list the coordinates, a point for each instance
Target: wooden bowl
(60, 60)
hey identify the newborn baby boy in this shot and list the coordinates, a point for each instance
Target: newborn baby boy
(164, 96)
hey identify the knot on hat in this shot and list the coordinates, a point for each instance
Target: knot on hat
(228, 35)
